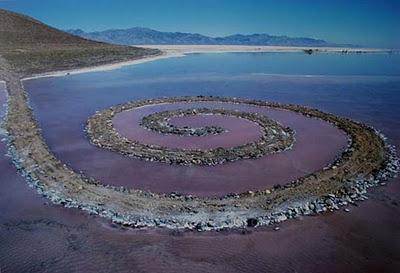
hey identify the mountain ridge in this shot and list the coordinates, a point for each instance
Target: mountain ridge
(148, 36)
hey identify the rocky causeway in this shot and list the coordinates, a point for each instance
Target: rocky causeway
(101, 133)
(159, 122)
(71, 206)
(367, 161)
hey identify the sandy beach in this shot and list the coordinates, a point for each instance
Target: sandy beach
(105, 67)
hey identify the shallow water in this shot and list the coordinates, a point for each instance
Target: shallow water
(237, 131)
(310, 153)
(45, 238)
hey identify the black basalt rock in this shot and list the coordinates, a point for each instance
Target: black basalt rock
(252, 222)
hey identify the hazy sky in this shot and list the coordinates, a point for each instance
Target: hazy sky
(364, 22)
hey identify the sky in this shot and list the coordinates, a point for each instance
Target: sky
(371, 23)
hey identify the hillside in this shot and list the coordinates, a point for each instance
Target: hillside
(146, 36)
(31, 46)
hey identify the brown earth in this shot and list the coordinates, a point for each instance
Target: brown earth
(30, 46)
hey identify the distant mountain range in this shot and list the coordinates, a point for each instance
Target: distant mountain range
(146, 36)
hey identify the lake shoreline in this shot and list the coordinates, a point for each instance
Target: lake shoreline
(188, 49)
(175, 51)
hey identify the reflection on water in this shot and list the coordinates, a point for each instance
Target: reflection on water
(46, 238)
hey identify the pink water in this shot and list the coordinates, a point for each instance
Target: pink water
(310, 152)
(36, 236)
(239, 131)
